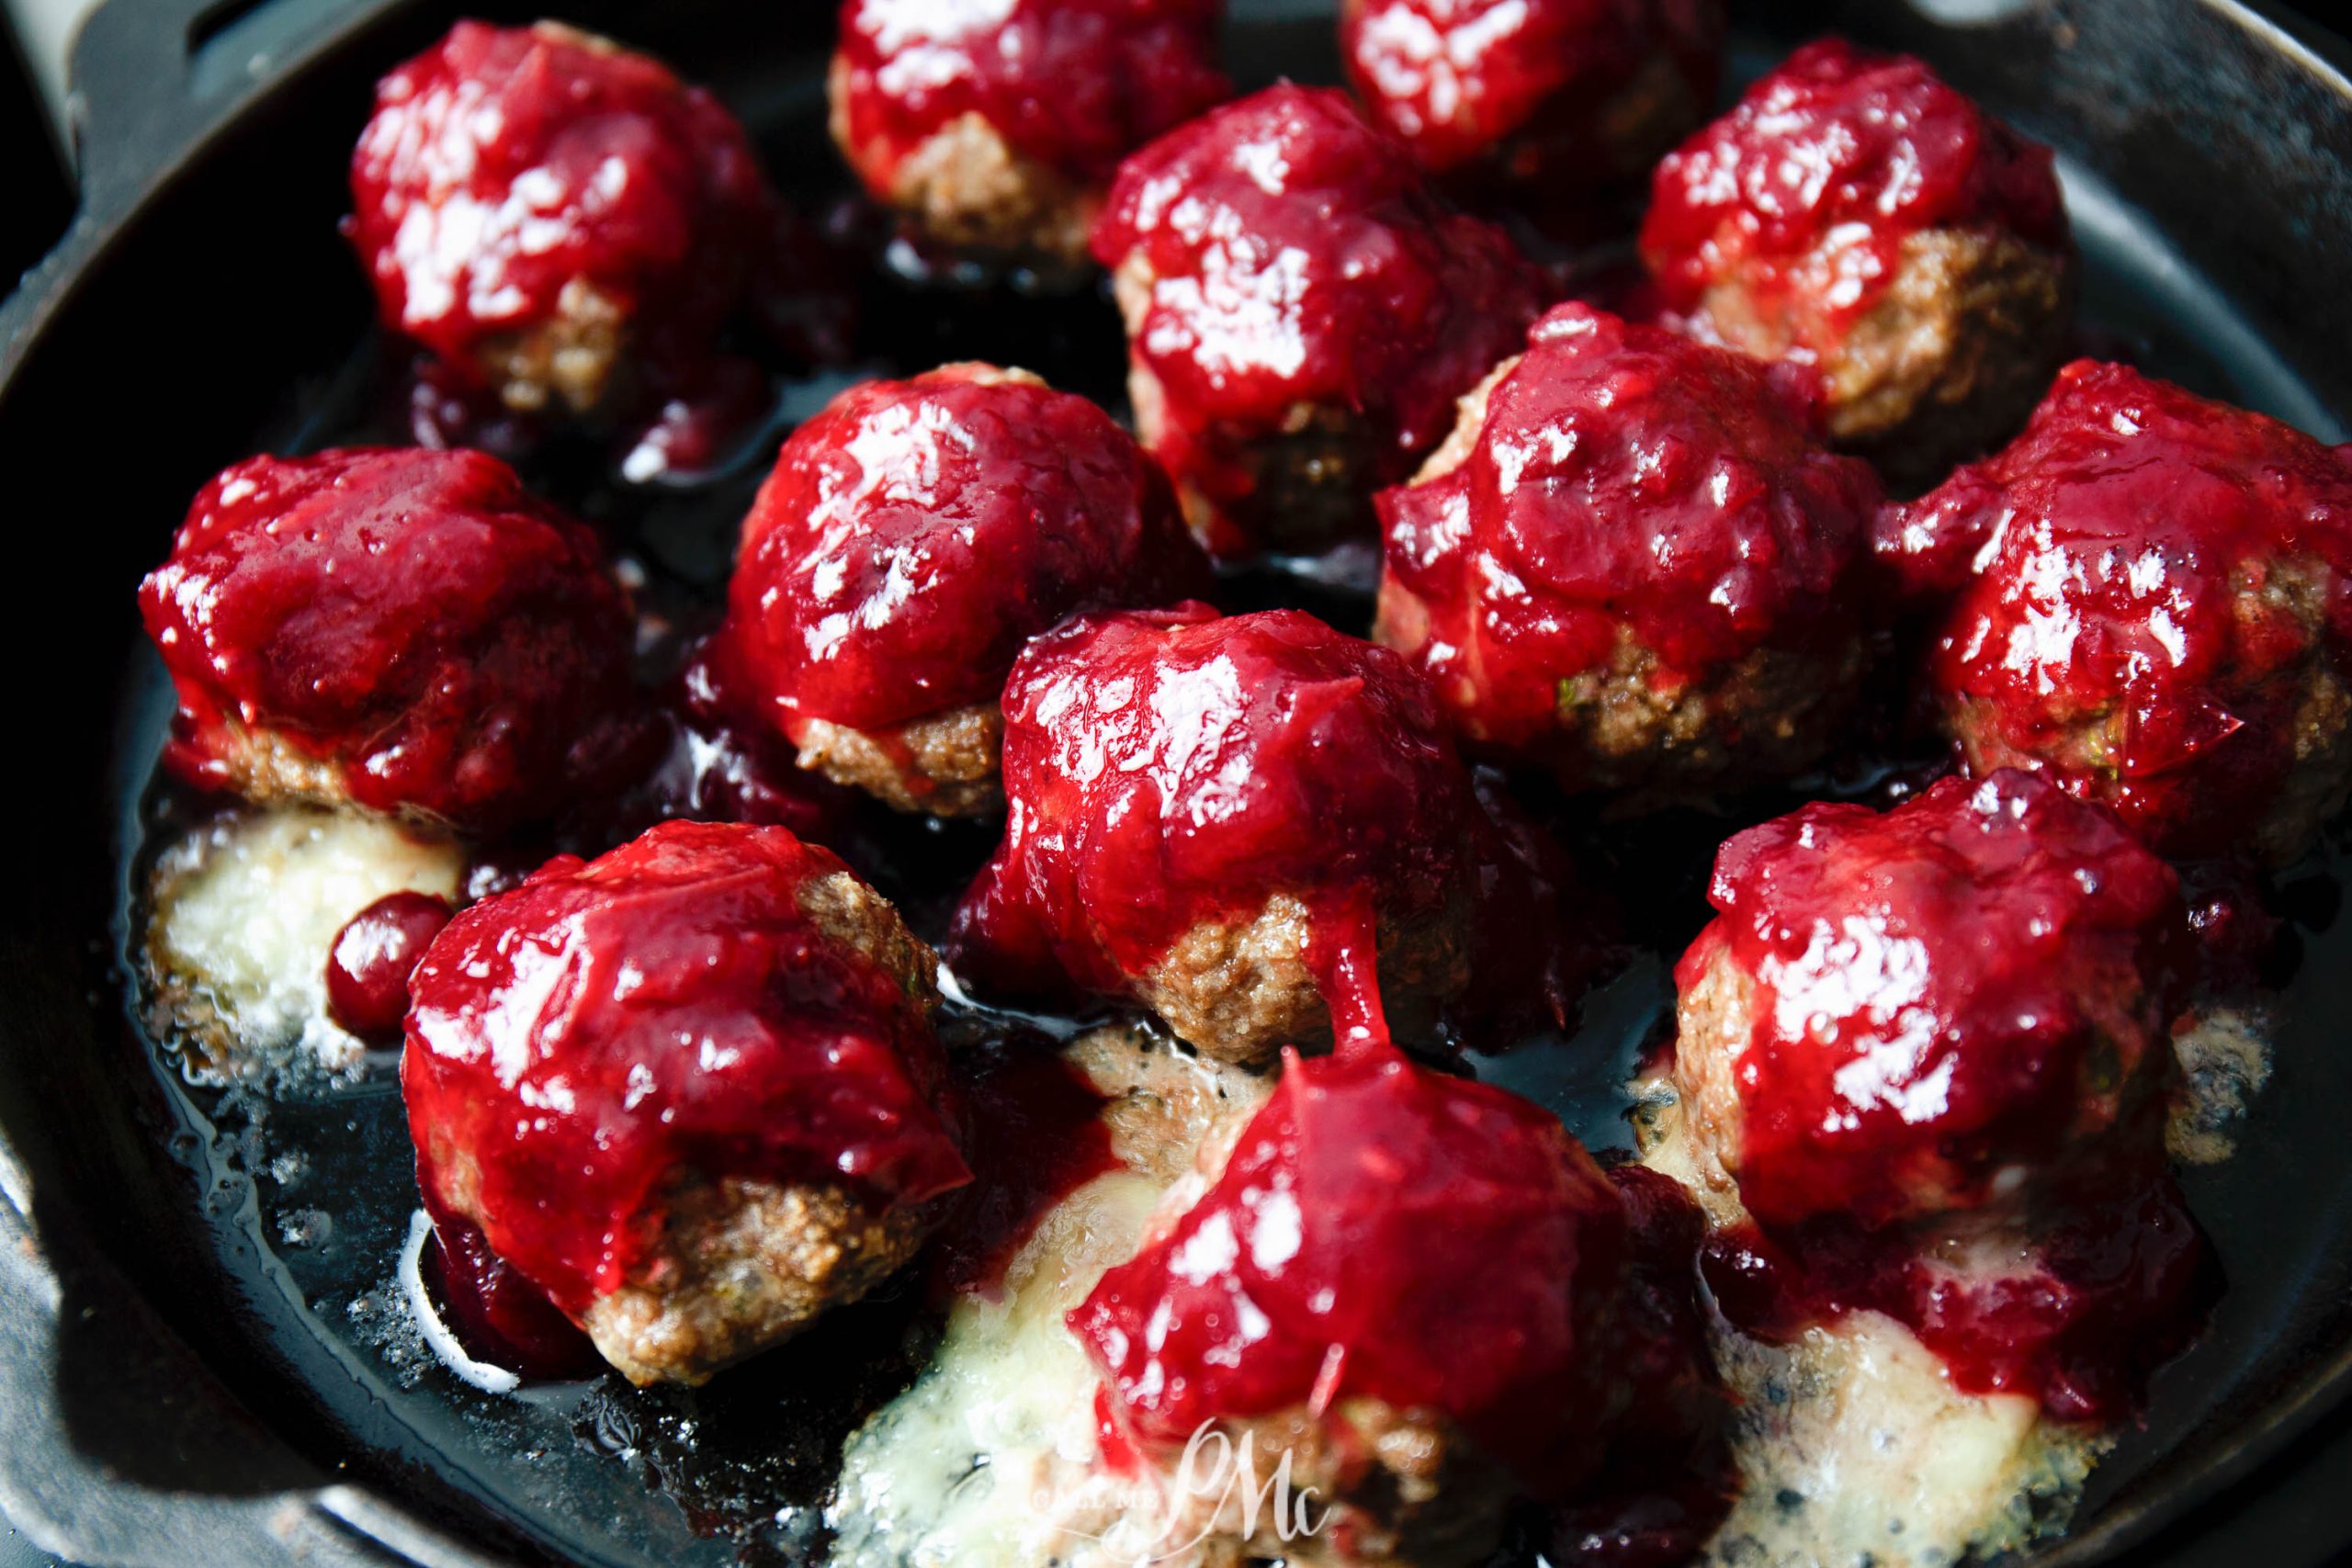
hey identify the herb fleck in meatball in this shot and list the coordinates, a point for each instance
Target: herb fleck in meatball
(1630, 565)
(911, 539)
(998, 127)
(1857, 215)
(404, 630)
(2152, 598)
(689, 1090)
(1301, 314)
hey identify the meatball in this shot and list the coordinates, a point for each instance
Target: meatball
(2153, 607)
(1301, 314)
(1923, 1060)
(1856, 216)
(1235, 822)
(1541, 96)
(1418, 1289)
(913, 538)
(998, 127)
(1630, 565)
(539, 208)
(689, 1090)
(402, 630)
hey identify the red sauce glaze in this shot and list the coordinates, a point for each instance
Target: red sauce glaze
(498, 1315)
(665, 1010)
(503, 164)
(1452, 79)
(1808, 188)
(1296, 258)
(1626, 481)
(1035, 1135)
(2143, 579)
(2112, 1287)
(1074, 85)
(373, 956)
(1383, 1231)
(453, 645)
(916, 535)
(1976, 981)
(1171, 768)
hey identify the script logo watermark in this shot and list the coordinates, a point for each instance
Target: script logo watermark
(1216, 1489)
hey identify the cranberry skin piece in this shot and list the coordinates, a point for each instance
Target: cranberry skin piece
(1886, 151)
(2152, 597)
(1171, 768)
(1292, 258)
(1973, 985)
(374, 954)
(667, 1007)
(1531, 81)
(1383, 1231)
(503, 166)
(1073, 85)
(447, 645)
(915, 535)
(1625, 482)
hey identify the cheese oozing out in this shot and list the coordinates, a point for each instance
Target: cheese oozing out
(245, 910)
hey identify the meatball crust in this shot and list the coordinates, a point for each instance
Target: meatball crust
(1313, 1297)
(912, 538)
(402, 630)
(1235, 821)
(1900, 1017)
(2150, 598)
(998, 127)
(1630, 566)
(1924, 275)
(1540, 95)
(540, 206)
(689, 1090)
(1301, 314)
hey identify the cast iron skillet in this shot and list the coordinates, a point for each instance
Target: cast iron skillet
(193, 1369)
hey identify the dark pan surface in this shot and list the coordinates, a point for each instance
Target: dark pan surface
(265, 1230)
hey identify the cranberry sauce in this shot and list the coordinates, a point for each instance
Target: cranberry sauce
(413, 624)
(1034, 1136)
(1073, 85)
(500, 1316)
(1386, 1232)
(675, 1005)
(1172, 769)
(1811, 185)
(1455, 79)
(916, 535)
(1292, 258)
(519, 178)
(373, 956)
(2143, 584)
(1624, 482)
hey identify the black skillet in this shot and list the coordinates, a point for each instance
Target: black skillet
(195, 1371)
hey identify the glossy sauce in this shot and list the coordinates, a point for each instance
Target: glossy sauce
(667, 1007)
(915, 536)
(1383, 1231)
(2142, 583)
(1625, 482)
(451, 645)
(1074, 85)
(1171, 768)
(503, 164)
(1807, 190)
(1296, 260)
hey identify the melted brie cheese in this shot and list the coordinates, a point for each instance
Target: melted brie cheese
(245, 911)
(991, 1459)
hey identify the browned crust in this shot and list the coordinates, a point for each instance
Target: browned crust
(946, 764)
(569, 359)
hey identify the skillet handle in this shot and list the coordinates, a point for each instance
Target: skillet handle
(149, 79)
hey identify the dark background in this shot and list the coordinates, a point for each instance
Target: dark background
(36, 205)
